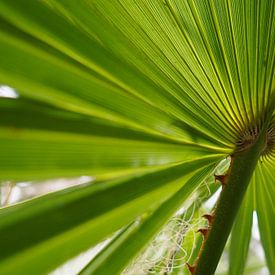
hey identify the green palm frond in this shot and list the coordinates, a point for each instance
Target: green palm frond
(148, 97)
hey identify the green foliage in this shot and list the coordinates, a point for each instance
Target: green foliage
(147, 96)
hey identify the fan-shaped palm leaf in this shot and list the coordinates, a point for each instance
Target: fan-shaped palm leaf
(145, 96)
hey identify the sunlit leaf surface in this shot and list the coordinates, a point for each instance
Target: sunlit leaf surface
(145, 97)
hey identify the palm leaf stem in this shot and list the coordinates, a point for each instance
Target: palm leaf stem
(235, 184)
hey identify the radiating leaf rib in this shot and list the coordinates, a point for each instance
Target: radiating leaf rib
(85, 93)
(180, 21)
(149, 9)
(132, 31)
(240, 236)
(156, 7)
(216, 47)
(31, 231)
(209, 22)
(154, 99)
(266, 54)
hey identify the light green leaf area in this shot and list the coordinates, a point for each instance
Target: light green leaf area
(240, 236)
(70, 221)
(62, 83)
(147, 96)
(41, 142)
(258, 198)
(263, 186)
(205, 84)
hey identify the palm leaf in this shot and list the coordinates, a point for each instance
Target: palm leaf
(146, 230)
(240, 236)
(39, 228)
(141, 95)
(264, 187)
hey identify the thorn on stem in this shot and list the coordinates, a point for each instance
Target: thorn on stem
(203, 231)
(191, 268)
(209, 218)
(221, 178)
